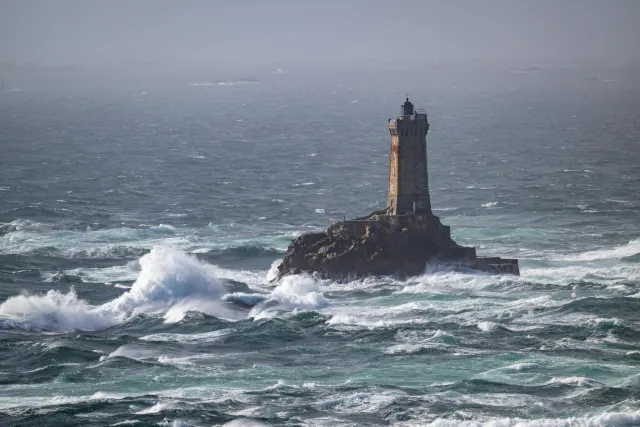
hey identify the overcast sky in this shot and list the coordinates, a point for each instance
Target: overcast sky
(209, 32)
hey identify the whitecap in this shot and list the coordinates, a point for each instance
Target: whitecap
(630, 249)
(101, 395)
(55, 311)
(244, 422)
(491, 327)
(273, 272)
(244, 298)
(157, 408)
(170, 282)
(188, 338)
(162, 228)
(523, 366)
(580, 381)
(358, 402)
(604, 419)
(298, 292)
(364, 321)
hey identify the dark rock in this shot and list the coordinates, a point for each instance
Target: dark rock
(400, 245)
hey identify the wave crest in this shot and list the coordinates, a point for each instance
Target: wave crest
(170, 282)
(299, 292)
(54, 311)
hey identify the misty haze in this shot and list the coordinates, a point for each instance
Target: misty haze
(329, 213)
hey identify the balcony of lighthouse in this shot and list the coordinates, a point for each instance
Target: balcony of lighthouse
(419, 115)
(414, 125)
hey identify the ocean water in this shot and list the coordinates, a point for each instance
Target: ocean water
(140, 223)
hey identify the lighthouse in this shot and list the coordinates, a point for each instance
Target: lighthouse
(402, 239)
(408, 177)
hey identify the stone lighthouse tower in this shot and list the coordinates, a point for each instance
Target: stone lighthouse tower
(402, 239)
(408, 179)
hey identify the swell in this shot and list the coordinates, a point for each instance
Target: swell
(95, 242)
(619, 306)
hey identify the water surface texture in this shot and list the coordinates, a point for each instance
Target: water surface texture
(139, 224)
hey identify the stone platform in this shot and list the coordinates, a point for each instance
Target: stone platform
(381, 244)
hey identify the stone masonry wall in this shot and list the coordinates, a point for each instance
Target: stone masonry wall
(408, 179)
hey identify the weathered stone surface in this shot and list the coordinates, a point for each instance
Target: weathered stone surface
(382, 245)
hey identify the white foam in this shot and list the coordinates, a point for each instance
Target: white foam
(131, 351)
(523, 366)
(580, 381)
(54, 311)
(21, 225)
(203, 304)
(273, 272)
(162, 228)
(170, 282)
(101, 395)
(491, 326)
(101, 275)
(358, 402)
(167, 276)
(606, 419)
(372, 323)
(630, 249)
(188, 338)
(490, 205)
(298, 292)
(157, 408)
(189, 361)
(441, 279)
(25, 236)
(244, 422)
(244, 298)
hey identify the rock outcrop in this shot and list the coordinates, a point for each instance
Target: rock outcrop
(401, 245)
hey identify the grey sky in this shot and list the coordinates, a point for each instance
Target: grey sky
(268, 31)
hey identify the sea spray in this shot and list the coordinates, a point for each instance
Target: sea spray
(630, 249)
(54, 311)
(298, 292)
(609, 419)
(170, 282)
(167, 276)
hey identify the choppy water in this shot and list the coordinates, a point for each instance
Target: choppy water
(138, 228)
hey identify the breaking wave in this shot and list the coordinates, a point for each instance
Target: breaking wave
(170, 282)
(607, 419)
(293, 293)
(28, 237)
(630, 249)
(54, 311)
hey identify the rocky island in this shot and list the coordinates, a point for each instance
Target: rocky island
(402, 239)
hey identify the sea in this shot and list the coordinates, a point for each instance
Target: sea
(142, 218)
